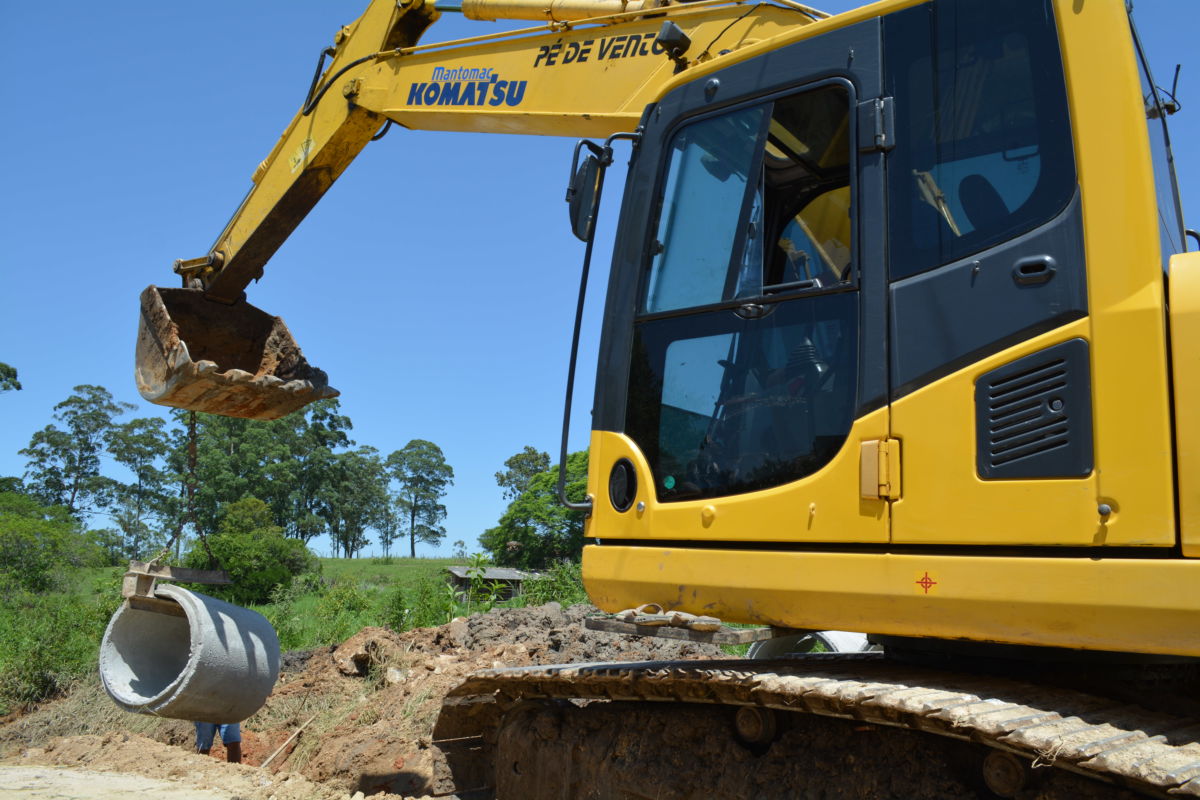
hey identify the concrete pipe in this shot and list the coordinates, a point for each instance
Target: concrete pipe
(215, 663)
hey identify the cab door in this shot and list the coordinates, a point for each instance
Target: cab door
(1029, 377)
(743, 365)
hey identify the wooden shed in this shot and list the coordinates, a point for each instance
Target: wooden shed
(510, 579)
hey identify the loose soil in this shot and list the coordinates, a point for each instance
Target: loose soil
(358, 717)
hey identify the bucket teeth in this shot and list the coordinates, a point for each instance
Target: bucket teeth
(246, 363)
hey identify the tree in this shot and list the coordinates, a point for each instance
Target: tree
(287, 463)
(8, 378)
(312, 439)
(233, 457)
(521, 469)
(536, 530)
(354, 498)
(63, 466)
(111, 544)
(387, 527)
(423, 476)
(141, 446)
(253, 550)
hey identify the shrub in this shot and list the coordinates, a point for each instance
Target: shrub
(36, 543)
(255, 553)
(341, 612)
(432, 602)
(308, 583)
(536, 530)
(562, 583)
(343, 598)
(47, 642)
(394, 612)
(284, 616)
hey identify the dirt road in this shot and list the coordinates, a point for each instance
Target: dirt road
(54, 783)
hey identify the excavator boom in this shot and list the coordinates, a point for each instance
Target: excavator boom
(526, 81)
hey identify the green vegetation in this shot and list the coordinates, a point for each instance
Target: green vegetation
(49, 641)
(247, 496)
(8, 378)
(37, 543)
(158, 479)
(253, 550)
(424, 476)
(562, 583)
(537, 531)
(159, 482)
(381, 572)
(315, 610)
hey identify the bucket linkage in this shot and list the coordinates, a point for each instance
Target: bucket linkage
(140, 579)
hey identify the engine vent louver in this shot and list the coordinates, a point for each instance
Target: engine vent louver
(1033, 417)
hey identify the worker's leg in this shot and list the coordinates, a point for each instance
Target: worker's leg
(231, 737)
(204, 737)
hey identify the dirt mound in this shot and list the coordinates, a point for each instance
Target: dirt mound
(552, 635)
(392, 686)
(511, 637)
(356, 717)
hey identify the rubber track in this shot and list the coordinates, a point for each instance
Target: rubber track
(1149, 752)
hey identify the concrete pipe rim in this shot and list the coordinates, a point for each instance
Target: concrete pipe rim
(128, 617)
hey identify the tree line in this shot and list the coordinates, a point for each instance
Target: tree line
(197, 474)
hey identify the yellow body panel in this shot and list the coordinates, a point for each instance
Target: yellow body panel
(1185, 333)
(1130, 406)
(946, 502)
(1127, 605)
(825, 507)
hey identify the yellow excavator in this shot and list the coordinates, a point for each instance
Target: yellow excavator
(899, 338)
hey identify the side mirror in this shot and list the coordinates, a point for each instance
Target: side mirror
(582, 196)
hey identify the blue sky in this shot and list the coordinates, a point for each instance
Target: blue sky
(435, 283)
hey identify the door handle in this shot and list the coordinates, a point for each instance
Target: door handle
(1034, 270)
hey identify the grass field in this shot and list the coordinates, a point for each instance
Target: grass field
(383, 572)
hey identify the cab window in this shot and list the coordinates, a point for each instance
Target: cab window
(983, 138)
(744, 371)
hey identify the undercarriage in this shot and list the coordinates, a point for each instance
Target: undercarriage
(822, 725)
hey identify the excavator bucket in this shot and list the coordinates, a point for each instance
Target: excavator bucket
(237, 361)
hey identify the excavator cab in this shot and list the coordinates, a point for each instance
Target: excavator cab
(236, 360)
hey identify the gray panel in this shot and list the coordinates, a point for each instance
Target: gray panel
(952, 316)
(852, 53)
(1033, 416)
